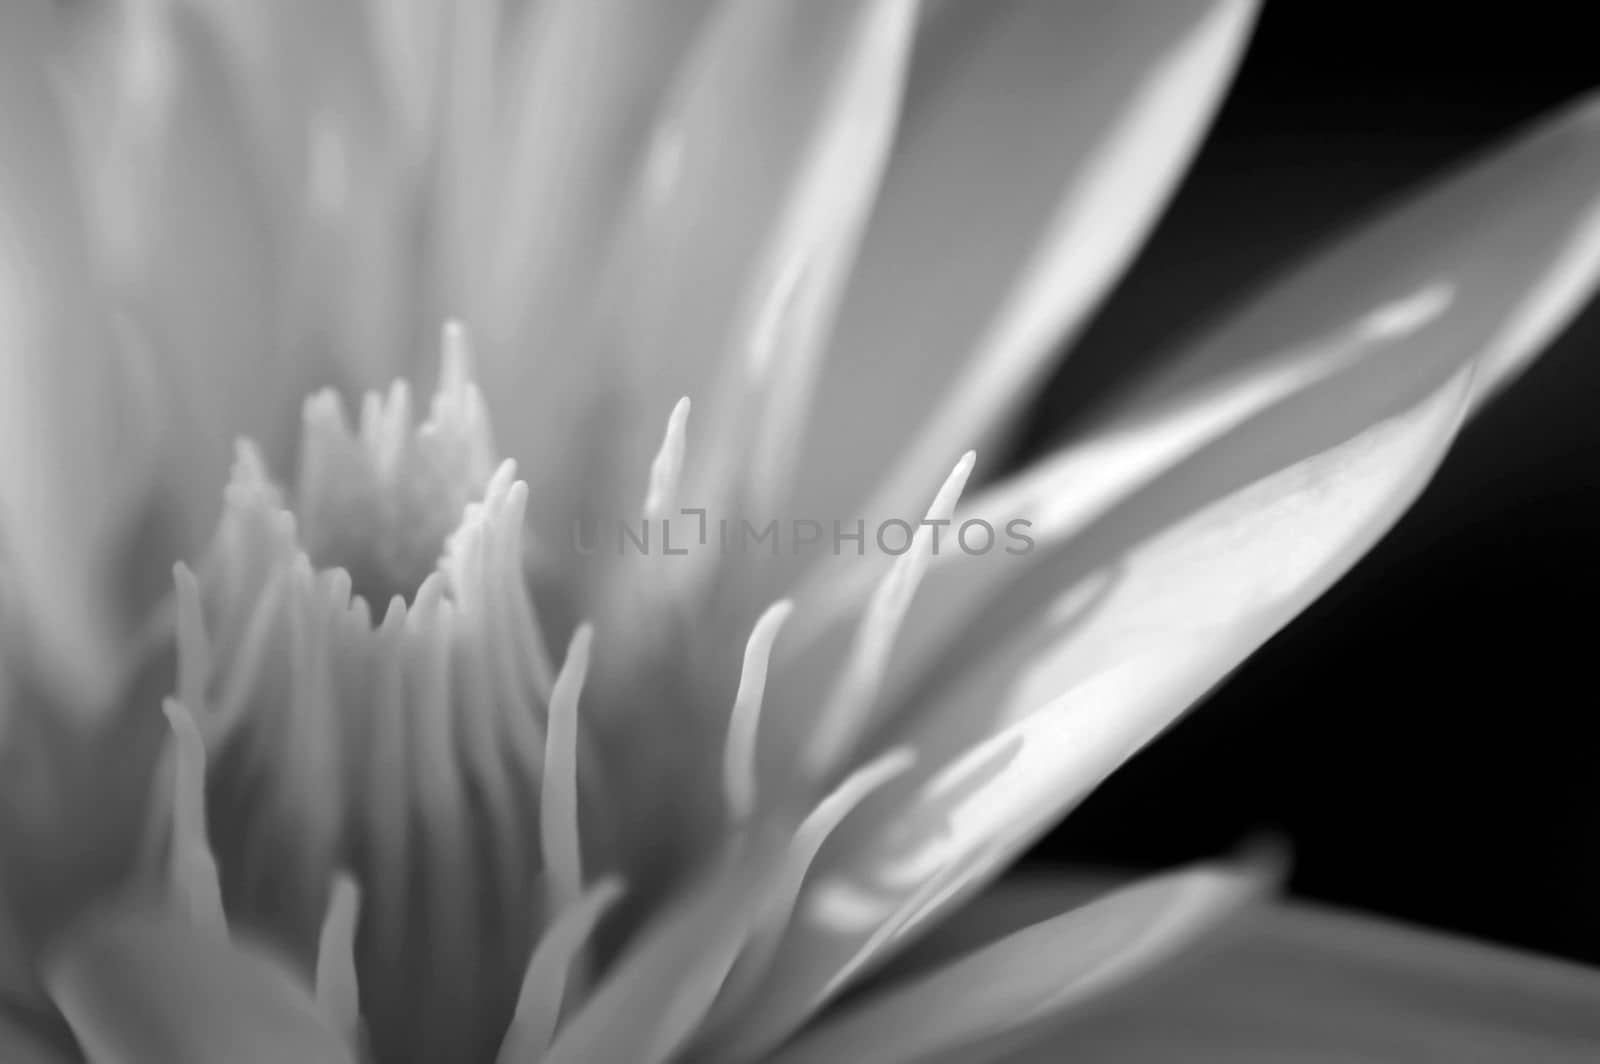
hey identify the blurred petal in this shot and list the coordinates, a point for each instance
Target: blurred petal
(1106, 662)
(405, 42)
(143, 985)
(182, 232)
(1302, 983)
(25, 1039)
(1033, 976)
(582, 83)
(1040, 142)
(73, 438)
(294, 60)
(73, 810)
(564, 168)
(337, 105)
(758, 176)
(774, 349)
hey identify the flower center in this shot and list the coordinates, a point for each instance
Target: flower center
(379, 500)
(366, 677)
(394, 799)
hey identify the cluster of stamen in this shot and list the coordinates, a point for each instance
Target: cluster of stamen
(395, 799)
(348, 747)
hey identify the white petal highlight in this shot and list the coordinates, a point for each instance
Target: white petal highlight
(666, 470)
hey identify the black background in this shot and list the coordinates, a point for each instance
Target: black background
(1424, 738)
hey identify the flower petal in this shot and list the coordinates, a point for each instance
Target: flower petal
(1486, 265)
(1010, 744)
(1033, 976)
(1300, 982)
(74, 439)
(139, 984)
(1040, 142)
(73, 798)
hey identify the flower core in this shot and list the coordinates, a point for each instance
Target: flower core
(408, 803)
(403, 752)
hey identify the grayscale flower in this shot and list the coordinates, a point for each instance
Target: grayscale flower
(347, 752)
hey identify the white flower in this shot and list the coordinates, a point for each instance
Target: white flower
(360, 758)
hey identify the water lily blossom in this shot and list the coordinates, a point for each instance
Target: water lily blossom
(502, 559)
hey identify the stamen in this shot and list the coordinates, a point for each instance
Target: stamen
(739, 758)
(455, 368)
(558, 798)
(389, 827)
(527, 661)
(194, 649)
(192, 869)
(544, 984)
(666, 472)
(250, 659)
(491, 685)
(846, 713)
(384, 423)
(458, 413)
(380, 500)
(338, 993)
